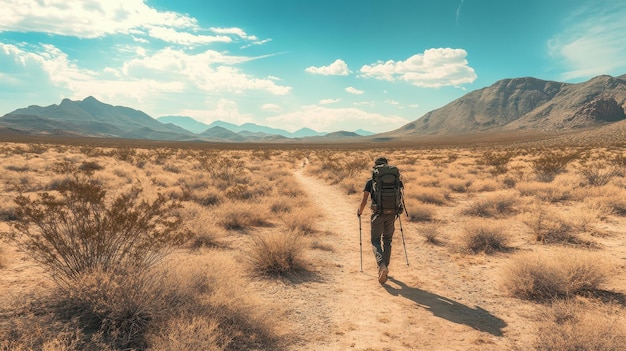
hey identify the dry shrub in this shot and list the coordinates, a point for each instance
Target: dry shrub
(208, 196)
(241, 215)
(484, 236)
(82, 230)
(545, 192)
(282, 204)
(277, 253)
(548, 165)
(549, 227)
(616, 202)
(457, 185)
(301, 220)
(435, 196)
(431, 233)
(196, 218)
(420, 212)
(494, 205)
(571, 325)
(598, 173)
(554, 274)
(188, 333)
(484, 185)
(498, 161)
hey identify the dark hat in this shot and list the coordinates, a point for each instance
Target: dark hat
(380, 161)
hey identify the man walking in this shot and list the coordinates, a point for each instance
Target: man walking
(386, 197)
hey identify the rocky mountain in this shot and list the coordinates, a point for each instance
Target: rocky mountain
(526, 104)
(91, 117)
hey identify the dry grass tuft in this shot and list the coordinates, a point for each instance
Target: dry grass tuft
(549, 227)
(431, 233)
(570, 325)
(240, 215)
(555, 274)
(277, 254)
(484, 236)
(301, 220)
(494, 205)
(420, 212)
(428, 195)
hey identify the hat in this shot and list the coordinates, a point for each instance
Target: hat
(380, 161)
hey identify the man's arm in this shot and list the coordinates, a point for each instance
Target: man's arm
(363, 203)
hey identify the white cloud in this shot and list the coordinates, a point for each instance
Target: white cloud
(354, 91)
(209, 71)
(183, 38)
(86, 19)
(593, 41)
(94, 19)
(271, 107)
(337, 68)
(234, 31)
(392, 102)
(335, 119)
(329, 101)
(434, 68)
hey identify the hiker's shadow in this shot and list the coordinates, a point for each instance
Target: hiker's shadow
(448, 309)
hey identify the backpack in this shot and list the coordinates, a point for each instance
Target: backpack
(386, 190)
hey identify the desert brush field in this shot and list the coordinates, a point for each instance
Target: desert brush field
(506, 246)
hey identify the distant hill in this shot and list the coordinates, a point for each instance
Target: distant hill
(246, 128)
(526, 104)
(185, 122)
(91, 117)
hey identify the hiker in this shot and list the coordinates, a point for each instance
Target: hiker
(383, 218)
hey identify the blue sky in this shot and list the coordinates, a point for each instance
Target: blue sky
(324, 64)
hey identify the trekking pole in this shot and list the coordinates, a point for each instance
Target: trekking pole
(403, 243)
(360, 241)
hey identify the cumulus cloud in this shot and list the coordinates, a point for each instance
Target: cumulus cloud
(335, 119)
(86, 19)
(354, 91)
(432, 69)
(593, 41)
(337, 68)
(329, 101)
(95, 19)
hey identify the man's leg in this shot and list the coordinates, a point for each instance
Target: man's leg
(388, 229)
(376, 233)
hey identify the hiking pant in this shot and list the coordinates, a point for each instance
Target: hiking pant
(383, 226)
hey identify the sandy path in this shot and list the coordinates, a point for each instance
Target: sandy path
(422, 306)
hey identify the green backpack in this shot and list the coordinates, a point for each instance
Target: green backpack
(386, 190)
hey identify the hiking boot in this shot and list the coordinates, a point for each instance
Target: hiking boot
(382, 273)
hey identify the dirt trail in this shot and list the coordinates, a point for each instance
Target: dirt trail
(429, 305)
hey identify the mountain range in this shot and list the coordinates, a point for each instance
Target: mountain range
(509, 105)
(199, 127)
(526, 104)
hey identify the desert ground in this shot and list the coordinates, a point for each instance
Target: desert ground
(503, 247)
